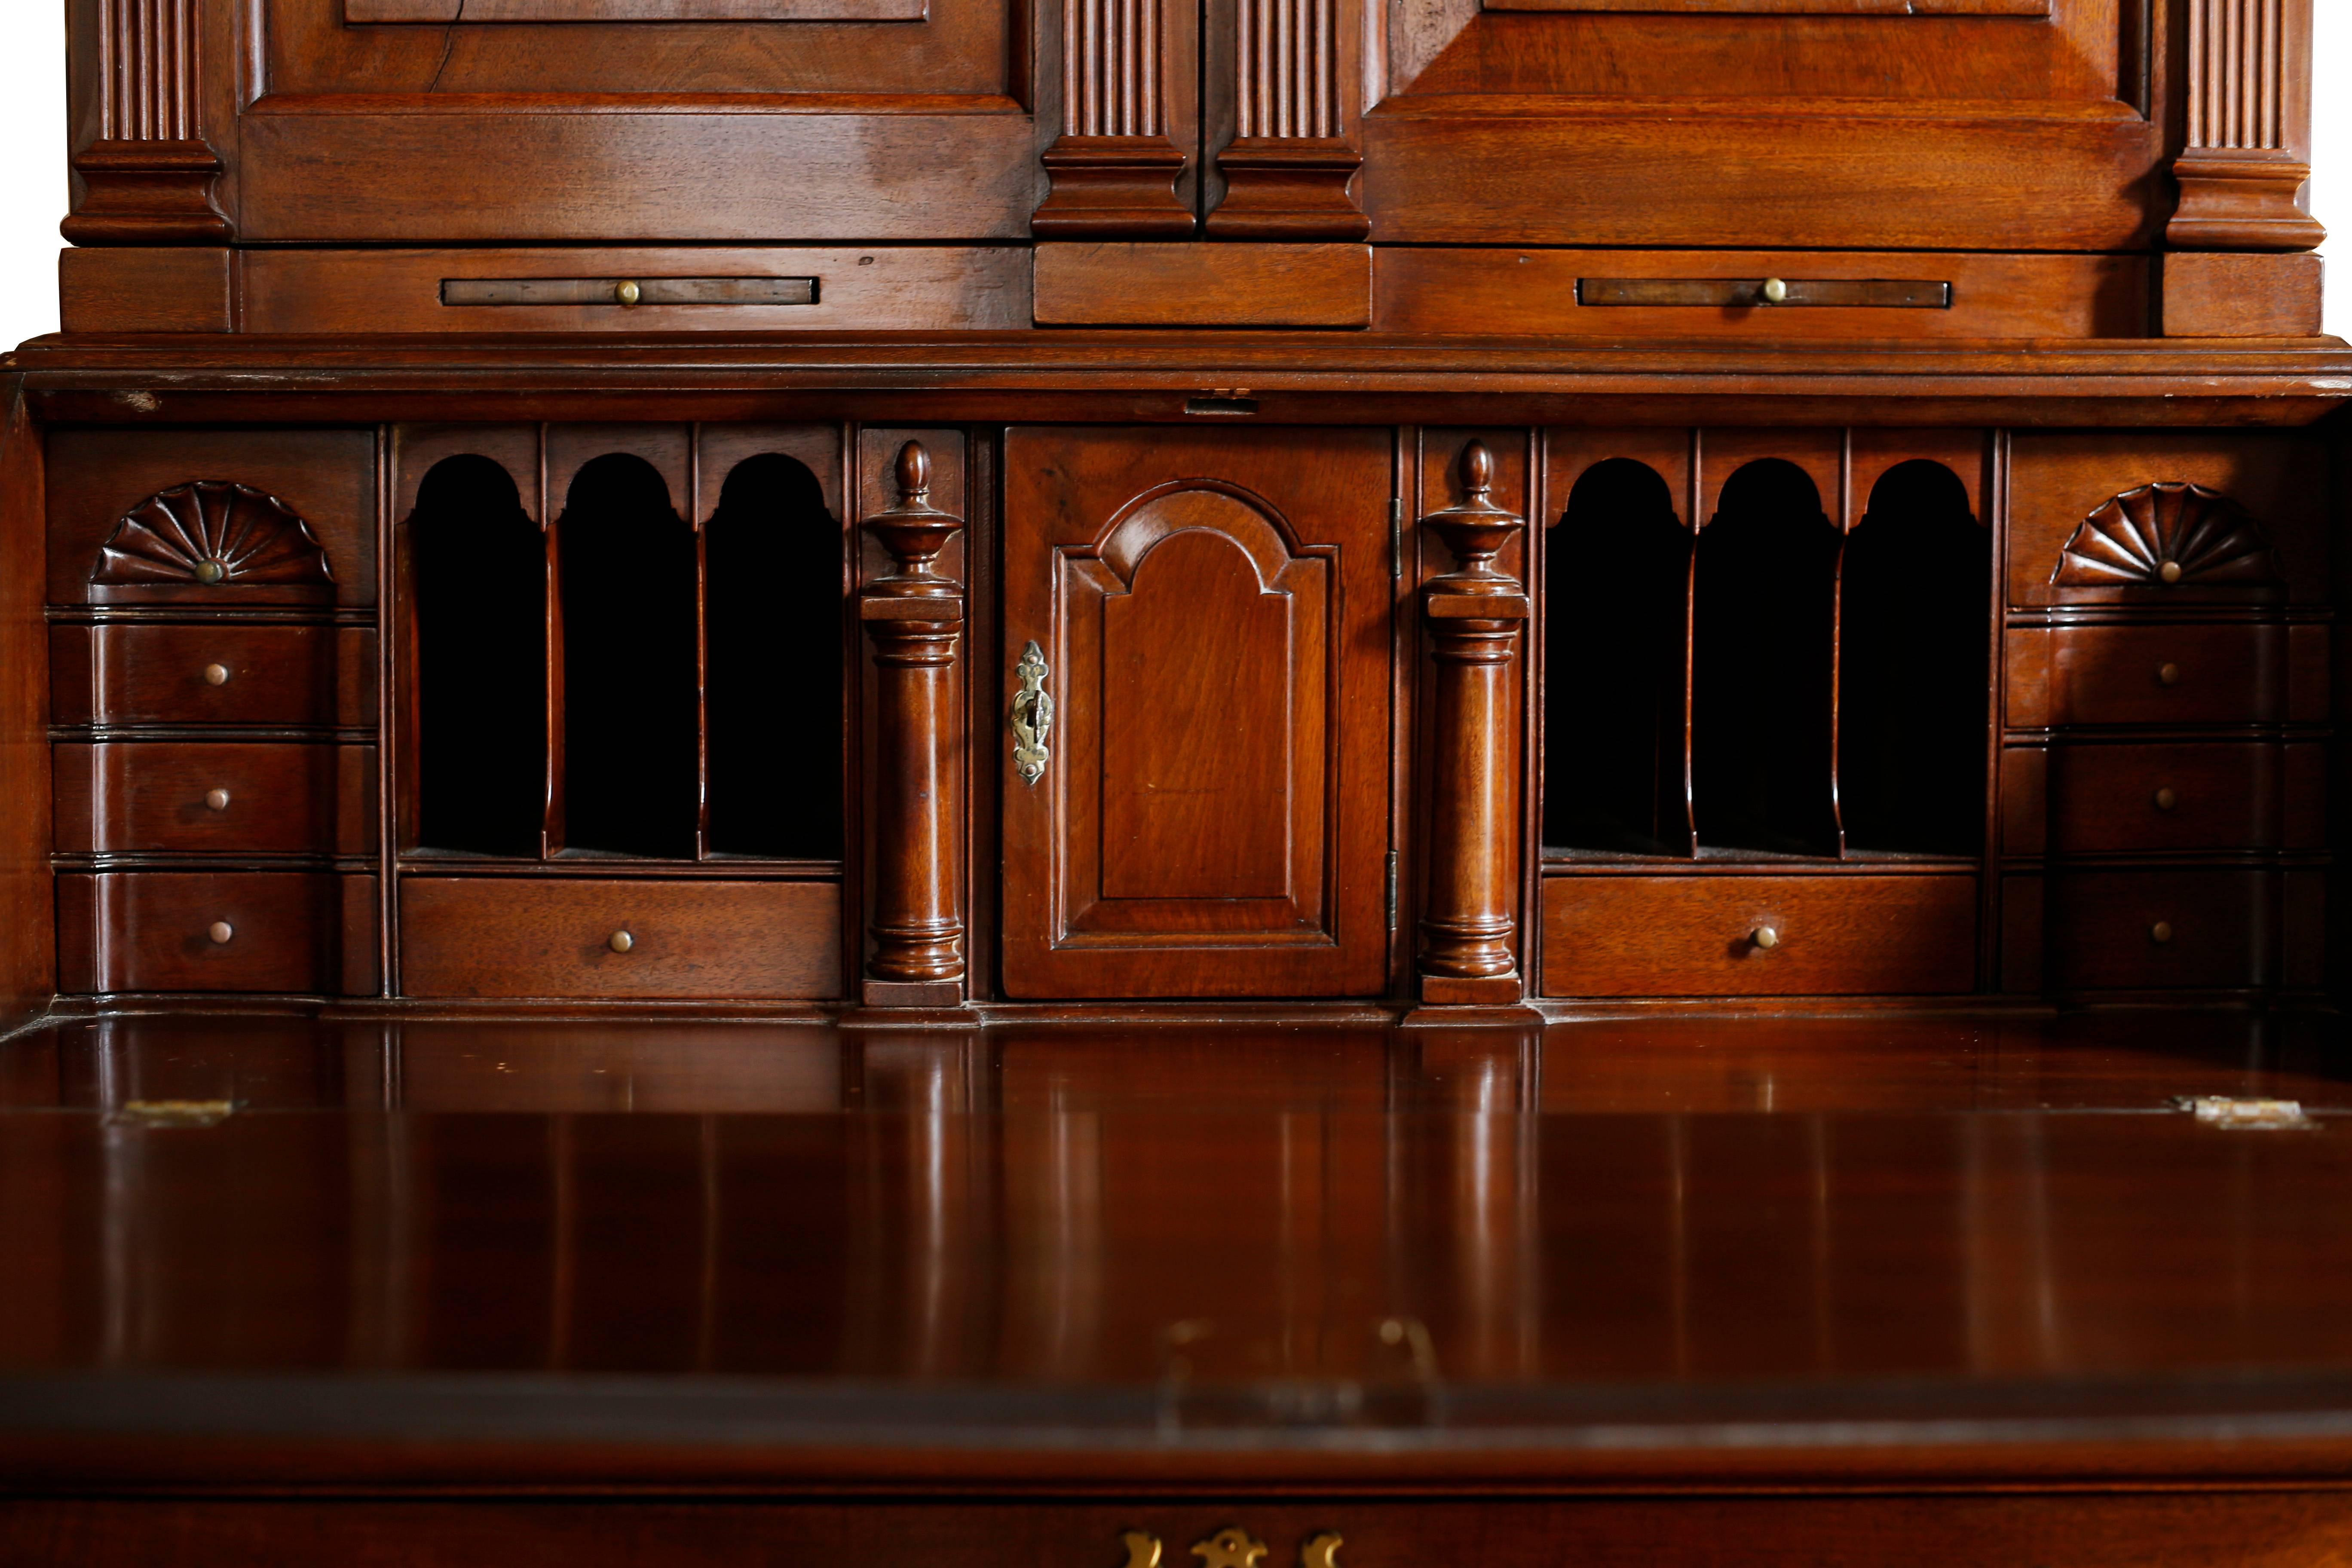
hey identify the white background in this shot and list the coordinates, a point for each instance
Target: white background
(33, 182)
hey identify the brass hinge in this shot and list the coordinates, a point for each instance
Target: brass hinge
(1392, 892)
(1396, 538)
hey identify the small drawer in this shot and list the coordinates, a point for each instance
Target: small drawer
(2113, 799)
(178, 930)
(265, 676)
(2166, 674)
(1758, 936)
(500, 936)
(215, 797)
(2159, 930)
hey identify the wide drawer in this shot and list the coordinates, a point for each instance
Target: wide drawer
(1739, 935)
(507, 936)
(243, 930)
(265, 676)
(216, 797)
(2214, 674)
(2107, 799)
(2160, 929)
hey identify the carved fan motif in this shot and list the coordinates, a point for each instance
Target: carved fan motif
(2163, 534)
(213, 532)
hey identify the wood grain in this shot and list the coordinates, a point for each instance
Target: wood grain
(156, 931)
(504, 937)
(1136, 285)
(2218, 294)
(1695, 936)
(957, 288)
(1485, 290)
(180, 289)
(280, 677)
(159, 797)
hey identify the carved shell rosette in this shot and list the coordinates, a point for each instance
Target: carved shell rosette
(213, 533)
(2165, 536)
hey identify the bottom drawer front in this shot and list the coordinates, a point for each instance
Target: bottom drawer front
(2159, 930)
(173, 930)
(1758, 936)
(516, 937)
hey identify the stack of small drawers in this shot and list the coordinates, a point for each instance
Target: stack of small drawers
(214, 679)
(2164, 771)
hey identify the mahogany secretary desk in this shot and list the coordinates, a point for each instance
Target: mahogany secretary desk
(950, 515)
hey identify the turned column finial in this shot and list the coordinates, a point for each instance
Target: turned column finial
(915, 619)
(1470, 922)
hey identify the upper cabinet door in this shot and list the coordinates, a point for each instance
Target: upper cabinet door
(592, 121)
(1206, 813)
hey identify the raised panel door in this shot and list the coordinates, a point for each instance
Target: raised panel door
(1210, 616)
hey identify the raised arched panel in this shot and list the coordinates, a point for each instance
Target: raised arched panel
(1196, 668)
(1210, 614)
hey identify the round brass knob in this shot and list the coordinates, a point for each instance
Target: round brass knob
(1775, 292)
(210, 572)
(1765, 937)
(220, 932)
(2168, 675)
(217, 799)
(2160, 933)
(2165, 798)
(2169, 572)
(620, 941)
(628, 293)
(215, 675)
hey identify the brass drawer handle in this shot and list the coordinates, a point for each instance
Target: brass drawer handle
(1776, 293)
(2165, 797)
(2160, 933)
(217, 799)
(215, 675)
(1765, 937)
(2168, 674)
(1033, 716)
(222, 932)
(621, 942)
(628, 291)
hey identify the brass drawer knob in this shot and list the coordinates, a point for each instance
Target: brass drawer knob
(1765, 937)
(2168, 573)
(2168, 675)
(215, 675)
(217, 799)
(627, 293)
(1775, 292)
(620, 941)
(221, 932)
(210, 572)
(2160, 933)
(2165, 798)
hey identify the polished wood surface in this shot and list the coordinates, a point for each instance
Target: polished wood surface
(1989, 1224)
(28, 958)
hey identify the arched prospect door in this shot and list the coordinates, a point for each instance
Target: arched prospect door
(1206, 814)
